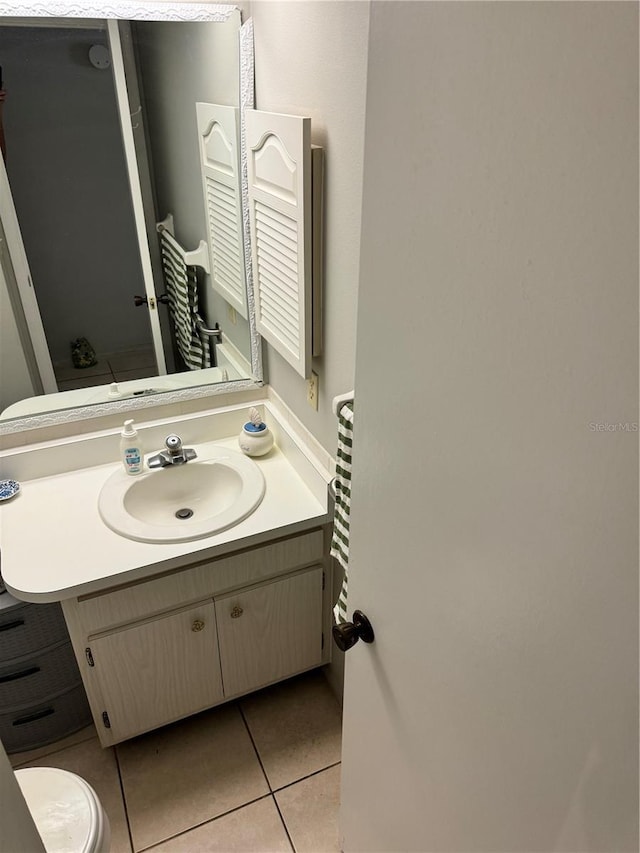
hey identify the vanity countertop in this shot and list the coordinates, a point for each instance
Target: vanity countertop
(55, 545)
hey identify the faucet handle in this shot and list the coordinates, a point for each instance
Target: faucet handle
(173, 443)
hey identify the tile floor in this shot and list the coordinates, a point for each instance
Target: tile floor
(261, 774)
(111, 367)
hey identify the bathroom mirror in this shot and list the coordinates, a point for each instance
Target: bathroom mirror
(101, 282)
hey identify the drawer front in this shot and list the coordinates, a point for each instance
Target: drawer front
(45, 722)
(45, 674)
(26, 629)
(137, 601)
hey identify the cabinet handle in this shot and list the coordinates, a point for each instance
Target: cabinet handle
(198, 625)
(237, 612)
(32, 718)
(14, 676)
(9, 626)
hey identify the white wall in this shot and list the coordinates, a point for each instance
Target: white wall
(181, 64)
(311, 60)
(68, 178)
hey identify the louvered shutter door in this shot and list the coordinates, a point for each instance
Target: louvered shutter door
(220, 165)
(279, 172)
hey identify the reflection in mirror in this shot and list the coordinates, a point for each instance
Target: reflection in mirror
(92, 108)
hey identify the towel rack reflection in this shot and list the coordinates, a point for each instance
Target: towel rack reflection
(208, 333)
(196, 257)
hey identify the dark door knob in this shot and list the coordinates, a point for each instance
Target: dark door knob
(347, 634)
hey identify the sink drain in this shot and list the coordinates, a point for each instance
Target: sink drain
(184, 513)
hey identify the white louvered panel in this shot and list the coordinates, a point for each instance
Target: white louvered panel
(285, 307)
(224, 221)
(220, 165)
(285, 327)
(277, 275)
(278, 161)
(281, 229)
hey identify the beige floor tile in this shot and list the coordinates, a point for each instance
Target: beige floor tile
(256, 828)
(98, 767)
(296, 727)
(18, 758)
(85, 381)
(182, 775)
(65, 370)
(132, 359)
(137, 373)
(310, 811)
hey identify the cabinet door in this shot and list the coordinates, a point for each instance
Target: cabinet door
(158, 671)
(270, 631)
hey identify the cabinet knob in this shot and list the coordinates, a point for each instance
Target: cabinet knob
(237, 612)
(198, 625)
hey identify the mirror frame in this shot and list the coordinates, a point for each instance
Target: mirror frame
(147, 10)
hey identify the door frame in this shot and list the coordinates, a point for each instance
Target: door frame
(117, 47)
(26, 292)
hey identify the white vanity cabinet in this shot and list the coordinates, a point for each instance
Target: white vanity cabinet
(158, 670)
(154, 651)
(270, 631)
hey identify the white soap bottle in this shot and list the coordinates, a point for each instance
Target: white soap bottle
(131, 449)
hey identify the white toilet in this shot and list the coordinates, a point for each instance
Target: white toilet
(65, 809)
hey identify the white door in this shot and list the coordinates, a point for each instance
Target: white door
(138, 198)
(16, 257)
(494, 526)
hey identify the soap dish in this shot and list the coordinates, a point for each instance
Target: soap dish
(8, 489)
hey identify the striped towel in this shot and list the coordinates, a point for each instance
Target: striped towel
(182, 289)
(340, 541)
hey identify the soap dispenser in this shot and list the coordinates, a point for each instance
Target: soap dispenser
(131, 449)
(256, 438)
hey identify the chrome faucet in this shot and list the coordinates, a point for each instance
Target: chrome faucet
(175, 454)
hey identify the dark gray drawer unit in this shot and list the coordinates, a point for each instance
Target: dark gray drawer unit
(41, 694)
(45, 722)
(26, 628)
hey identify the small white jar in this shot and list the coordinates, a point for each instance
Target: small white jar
(255, 438)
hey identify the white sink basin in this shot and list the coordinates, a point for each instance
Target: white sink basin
(183, 502)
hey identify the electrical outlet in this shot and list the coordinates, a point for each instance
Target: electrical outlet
(231, 314)
(312, 391)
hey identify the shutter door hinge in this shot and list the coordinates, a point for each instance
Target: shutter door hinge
(106, 720)
(89, 656)
(323, 580)
(322, 646)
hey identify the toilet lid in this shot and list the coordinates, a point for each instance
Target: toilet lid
(64, 808)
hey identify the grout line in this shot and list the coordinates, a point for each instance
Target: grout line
(124, 798)
(244, 719)
(284, 823)
(203, 823)
(295, 782)
(308, 776)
